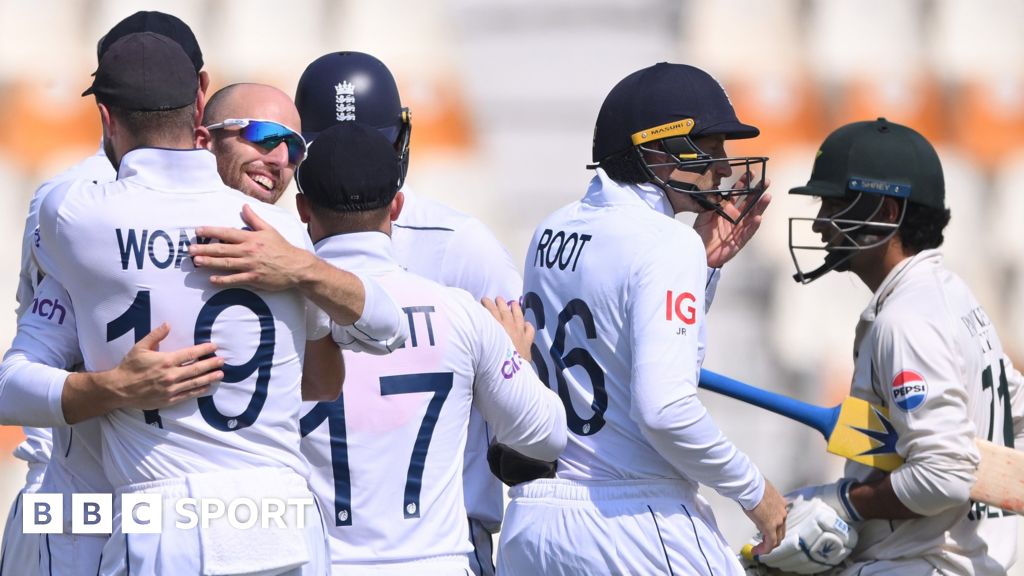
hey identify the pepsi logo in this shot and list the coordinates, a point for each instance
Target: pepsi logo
(909, 390)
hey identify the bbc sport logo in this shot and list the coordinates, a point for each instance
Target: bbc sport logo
(144, 513)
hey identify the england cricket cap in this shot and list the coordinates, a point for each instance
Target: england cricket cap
(163, 24)
(662, 94)
(878, 157)
(351, 167)
(146, 72)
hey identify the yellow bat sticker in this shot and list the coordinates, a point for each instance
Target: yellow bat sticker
(863, 433)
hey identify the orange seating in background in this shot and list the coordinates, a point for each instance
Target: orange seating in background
(913, 101)
(10, 437)
(39, 126)
(988, 119)
(788, 112)
(441, 119)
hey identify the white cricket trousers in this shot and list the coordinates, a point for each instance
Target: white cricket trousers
(20, 552)
(561, 527)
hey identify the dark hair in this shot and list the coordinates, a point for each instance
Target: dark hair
(343, 222)
(922, 227)
(156, 126)
(624, 167)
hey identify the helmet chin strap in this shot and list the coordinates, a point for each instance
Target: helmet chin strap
(690, 189)
(833, 261)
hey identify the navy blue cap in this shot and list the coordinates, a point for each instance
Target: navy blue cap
(343, 86)
(877, 157)
(662, 94)
(146, 72)
(159, 22)
(351, 168)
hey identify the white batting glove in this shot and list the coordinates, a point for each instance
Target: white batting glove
(817, 539)
(836, 495)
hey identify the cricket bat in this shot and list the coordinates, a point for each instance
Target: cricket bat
(862, 432)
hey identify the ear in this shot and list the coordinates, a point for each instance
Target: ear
(397, 203)
(302, 205)
(203, 138)
(105, 120)
(204, 86)
(891, 209)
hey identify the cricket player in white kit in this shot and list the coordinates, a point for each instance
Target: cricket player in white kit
(925, 349)
(111, 247)
(388, 454)
(616, 287)
(19, 549)
(429, 239)
(71, 472)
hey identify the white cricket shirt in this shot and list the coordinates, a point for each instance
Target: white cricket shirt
(387, 455)
(121, 251)
(926, 350)
(616, 289)
(457, 250)
(96, 168)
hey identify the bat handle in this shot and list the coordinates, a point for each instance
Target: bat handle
(821, 419)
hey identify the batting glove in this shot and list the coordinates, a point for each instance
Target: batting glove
(836, 495)
(817, 539)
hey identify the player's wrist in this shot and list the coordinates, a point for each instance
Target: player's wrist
(88, 394)
(309, 272)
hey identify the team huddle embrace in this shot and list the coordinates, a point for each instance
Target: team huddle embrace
(212, 386)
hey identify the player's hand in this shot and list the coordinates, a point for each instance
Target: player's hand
(510, 316)
(816, 540)
(723, 239)
(769, 516)
(149, 379)
(260, 258)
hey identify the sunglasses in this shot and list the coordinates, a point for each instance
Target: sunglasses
(268, 136)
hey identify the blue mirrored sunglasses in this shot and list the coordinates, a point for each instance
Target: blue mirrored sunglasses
(268, 136)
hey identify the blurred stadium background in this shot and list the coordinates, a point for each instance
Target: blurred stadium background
(504, 95)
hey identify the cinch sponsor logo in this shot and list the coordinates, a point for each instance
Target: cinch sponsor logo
(674, 309)
(909, 390)
(144, 513)
(511, 365)
(47, 308)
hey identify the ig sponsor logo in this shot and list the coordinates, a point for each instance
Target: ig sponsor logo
(909, 390)
(676, 307)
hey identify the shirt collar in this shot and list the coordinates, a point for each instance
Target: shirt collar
(897, 277)
(359, 251)
(603, 191)
(177, 170)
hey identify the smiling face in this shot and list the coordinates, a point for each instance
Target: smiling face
(242, 165)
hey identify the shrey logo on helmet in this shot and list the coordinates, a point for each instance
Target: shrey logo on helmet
(909, 390)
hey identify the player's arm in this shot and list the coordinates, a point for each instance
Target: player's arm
(523, 414)
(27, 278)
(936, 437)
(323, 370)
(38, 389)
(665, 316)
(380, 330)
(477, 262)
(266, 260)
